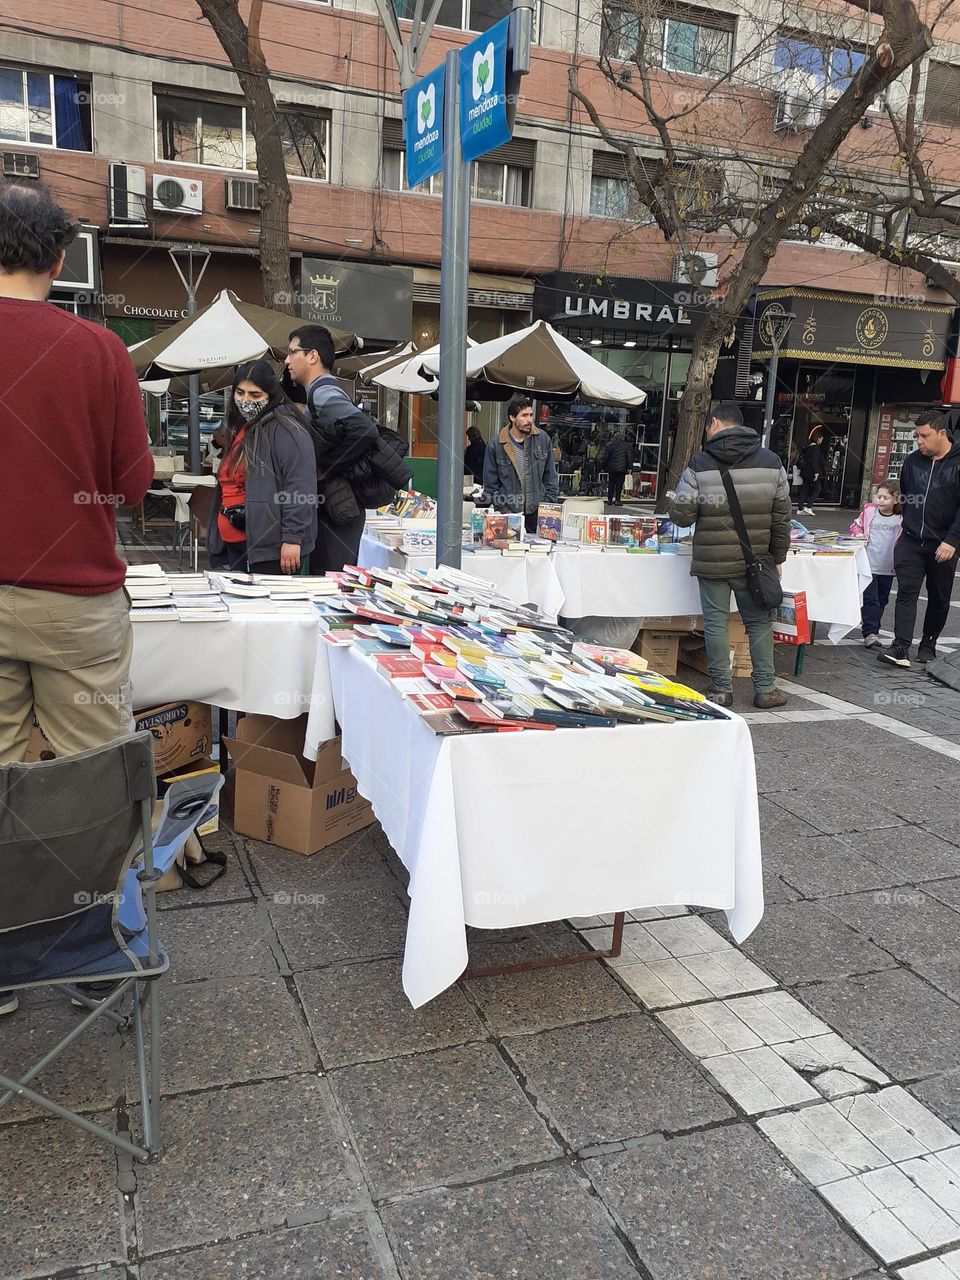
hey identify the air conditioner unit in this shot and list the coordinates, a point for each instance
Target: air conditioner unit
(702, 265)
(20, 164)
(242, 193)
(128, 196)
(177, 195)
(798, 104)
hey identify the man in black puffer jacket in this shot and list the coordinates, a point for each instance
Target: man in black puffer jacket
(718, 564)
(356, 467)
(926, 551)
(617, 461)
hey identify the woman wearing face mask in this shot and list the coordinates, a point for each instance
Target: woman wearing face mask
(264, 517)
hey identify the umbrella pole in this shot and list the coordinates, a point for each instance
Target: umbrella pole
(193, 381)
(454, 272)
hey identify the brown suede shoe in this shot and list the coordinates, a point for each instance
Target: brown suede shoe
(767, 701)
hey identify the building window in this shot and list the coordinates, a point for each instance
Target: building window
(697, 187)
(504, 176)
(468, 15)
(827, 68)
(215, 134)
(941, 103)
(694, 42)
(609, 197)
(44, 109)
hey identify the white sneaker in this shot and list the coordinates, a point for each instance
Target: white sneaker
(9, 1002)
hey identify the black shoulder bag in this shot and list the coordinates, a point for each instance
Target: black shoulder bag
(763, 581)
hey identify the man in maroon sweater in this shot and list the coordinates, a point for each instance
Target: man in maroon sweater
(75, 448)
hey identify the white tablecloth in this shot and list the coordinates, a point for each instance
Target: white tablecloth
(501, 830)
(270, 665)
(529, 579)
(596, 584)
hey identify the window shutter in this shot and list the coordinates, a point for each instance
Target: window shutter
(609, 164)
(942, 103)
(520, 152)
(392, 134)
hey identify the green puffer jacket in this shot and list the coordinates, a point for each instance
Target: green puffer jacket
(764, 494)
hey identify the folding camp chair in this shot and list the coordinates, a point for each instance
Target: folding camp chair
(80, 867)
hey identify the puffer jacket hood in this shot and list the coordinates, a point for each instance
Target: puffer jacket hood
(731, 447)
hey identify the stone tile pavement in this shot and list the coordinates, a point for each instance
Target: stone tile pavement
(784, 1110)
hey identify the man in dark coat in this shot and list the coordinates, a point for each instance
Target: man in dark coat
(812, 468)
(718, 563)
(617, 461)
(926, 551)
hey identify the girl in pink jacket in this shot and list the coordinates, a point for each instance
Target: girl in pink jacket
(879, 522)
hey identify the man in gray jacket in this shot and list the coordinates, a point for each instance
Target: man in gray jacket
(718, 564)
(518, 467)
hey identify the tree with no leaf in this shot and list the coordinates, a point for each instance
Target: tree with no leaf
(689, 166)
(241, 43)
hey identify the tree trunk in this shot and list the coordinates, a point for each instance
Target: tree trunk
(242, 46)
(695, 402)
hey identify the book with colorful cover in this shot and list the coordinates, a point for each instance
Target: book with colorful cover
(430, 702)
(496, 530)
(550, 521)
(595, 530)
(398, 664)
(458, 689)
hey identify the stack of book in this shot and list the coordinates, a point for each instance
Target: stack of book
(468, 660)
(151, 597)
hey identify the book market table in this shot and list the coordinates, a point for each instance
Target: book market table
(597, 584)
(528, 579)
(266, 665)
(494, 831)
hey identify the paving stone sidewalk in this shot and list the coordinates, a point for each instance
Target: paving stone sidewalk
(784, 1110)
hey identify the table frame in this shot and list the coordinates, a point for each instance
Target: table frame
(551, 962)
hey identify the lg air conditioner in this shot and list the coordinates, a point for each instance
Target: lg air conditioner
(177, 195)
(798, 104)
(128, 197)
(703, 266)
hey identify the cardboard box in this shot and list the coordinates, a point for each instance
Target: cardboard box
(286, 800)
(182, 733)
(693, 653)
(682, 622)
(660, 649)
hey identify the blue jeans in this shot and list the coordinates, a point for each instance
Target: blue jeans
(715, 603)
(875, 597)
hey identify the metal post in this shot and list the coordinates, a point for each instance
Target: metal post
(454, 272)
(771, 388)
(193, 380)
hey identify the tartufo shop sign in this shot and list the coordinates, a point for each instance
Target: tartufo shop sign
(854, 329)
(652, 307)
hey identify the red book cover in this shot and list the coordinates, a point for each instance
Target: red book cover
(377, 615)
(398, 664)
(461, 689)
(431, 701)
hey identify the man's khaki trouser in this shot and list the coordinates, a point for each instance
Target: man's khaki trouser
(66, 660)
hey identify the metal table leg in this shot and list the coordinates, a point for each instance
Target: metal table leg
(550, 962)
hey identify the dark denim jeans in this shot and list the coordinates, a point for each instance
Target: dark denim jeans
(715, 603)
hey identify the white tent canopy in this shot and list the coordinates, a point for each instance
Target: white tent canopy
(541, 361)
(408, 375)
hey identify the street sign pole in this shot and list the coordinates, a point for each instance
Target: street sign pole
(454, 273)
(191, 285)
(777, 327)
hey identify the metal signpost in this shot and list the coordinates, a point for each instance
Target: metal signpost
(448, 122)
(191, 285)
(774, 327)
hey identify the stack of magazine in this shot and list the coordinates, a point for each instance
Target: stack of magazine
(468, 660)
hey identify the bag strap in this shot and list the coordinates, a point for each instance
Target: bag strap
(213, 857)
(737, 514)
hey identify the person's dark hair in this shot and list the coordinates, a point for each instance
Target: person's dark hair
(314, 337)
(518, 404)
(474, 434)
(262, 374)
(34, 229)
(816, 435)
(934, 418)
(727, 411)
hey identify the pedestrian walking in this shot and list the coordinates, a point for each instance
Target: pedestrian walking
(880, 523)
(812, 463)
(518, 469)
(926, 552)
(737, 494)
(473, 454)
(264, 517)
(617, 460)
(75, 448)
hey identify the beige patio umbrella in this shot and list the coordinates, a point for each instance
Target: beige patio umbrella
(542, 362)
(225, 333)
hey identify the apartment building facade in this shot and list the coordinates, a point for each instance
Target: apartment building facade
(130, 113)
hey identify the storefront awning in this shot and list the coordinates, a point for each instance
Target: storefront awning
(854, 329)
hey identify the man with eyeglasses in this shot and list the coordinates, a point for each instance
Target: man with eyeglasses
(354, 467)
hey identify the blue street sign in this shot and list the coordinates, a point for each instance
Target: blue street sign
(423, 127)
(484, 122)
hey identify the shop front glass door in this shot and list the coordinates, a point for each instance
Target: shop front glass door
(823, 398)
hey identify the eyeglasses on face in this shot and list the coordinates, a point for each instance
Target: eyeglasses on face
(296, 351)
